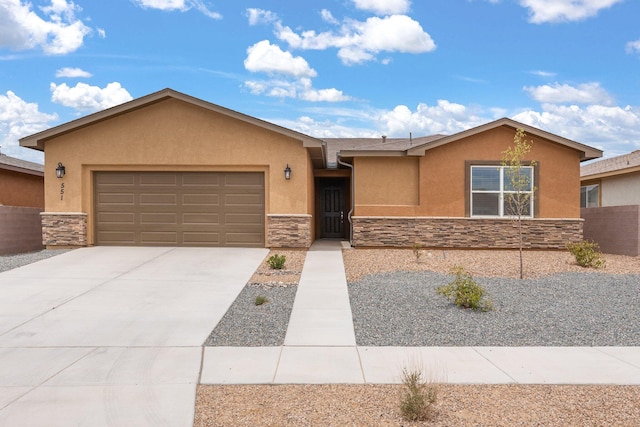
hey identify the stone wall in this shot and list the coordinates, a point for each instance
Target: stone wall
(20, 229)
(465, 233)
(289, 231)
(616, 229)
(64, 228)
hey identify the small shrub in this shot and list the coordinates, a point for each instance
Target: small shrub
(418, 398)
(465, 292)
(260, 300)
(587, 254)
(417, 250)
(276, 262)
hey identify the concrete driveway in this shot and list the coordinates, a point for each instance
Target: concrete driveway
(112, 336)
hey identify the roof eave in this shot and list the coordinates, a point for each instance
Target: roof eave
(37, 140)
(608, 174)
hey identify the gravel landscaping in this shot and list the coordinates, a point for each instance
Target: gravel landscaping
(9, 262)
(564, 309)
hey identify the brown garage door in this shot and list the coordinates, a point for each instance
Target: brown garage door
(179, 208)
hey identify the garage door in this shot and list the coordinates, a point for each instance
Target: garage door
(179, 209)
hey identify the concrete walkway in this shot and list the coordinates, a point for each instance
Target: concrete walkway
(320, 348)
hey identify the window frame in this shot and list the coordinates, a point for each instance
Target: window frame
(586, 186)
(534, 200)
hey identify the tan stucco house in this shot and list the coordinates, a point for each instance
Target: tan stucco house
(170, 169)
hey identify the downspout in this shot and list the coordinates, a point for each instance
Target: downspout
(353, 198)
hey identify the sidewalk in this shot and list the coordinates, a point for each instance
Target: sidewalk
(320, 348)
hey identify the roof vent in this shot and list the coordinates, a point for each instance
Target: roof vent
(384, 138)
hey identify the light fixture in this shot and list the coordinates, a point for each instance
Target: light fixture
(60, 170)
(287, 172)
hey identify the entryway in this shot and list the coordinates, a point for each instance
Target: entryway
(332, 208)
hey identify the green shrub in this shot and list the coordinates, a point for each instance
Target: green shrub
(418, 398)
(465, 292)
(587, 254)
(276, 262)
(260, 300)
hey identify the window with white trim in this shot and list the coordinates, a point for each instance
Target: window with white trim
(590, 196)
(492, 190)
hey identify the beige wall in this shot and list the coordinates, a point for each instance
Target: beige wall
(442, 174)
(620, 190)
(21, 189)
(175, 136)
(387, 185)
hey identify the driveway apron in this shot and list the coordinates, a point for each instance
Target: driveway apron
(111, 336)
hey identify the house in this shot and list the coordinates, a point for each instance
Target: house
(610, 202)
(21, 201)
(170, 169)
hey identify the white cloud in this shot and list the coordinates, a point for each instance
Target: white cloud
(541, 73)
(587, 93)
(327, 16)
(179, 5)
(543, 11)
(260, 16)
(383, 7)
(83, 97)
(361, 41)
(298, 89)
(614, 129)
(445, 118)
(633, 46)
(18, 119)
(72, 73)
(60, 32)
(268, 58)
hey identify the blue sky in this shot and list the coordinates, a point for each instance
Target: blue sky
(333, 68)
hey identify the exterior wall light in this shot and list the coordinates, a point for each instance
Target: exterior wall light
(60, 170)
(287, 172)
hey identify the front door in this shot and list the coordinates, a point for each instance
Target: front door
(333, 212)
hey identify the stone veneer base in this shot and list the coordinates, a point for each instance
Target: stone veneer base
(64, 228)
(289, 231)
(465, 233)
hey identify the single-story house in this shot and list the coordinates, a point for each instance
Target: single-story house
(21, 201)
(171, 169)
(610, 202)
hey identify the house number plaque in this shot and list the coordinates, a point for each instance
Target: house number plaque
(61, 190)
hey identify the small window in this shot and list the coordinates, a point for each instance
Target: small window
(590, 196)
(493, 191)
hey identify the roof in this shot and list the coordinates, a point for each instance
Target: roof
(38, 140)
(22, 166)
(419, 146)
(626, 163)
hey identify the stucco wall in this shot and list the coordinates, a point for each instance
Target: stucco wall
(442, 178)
(175, 136)
(20, 189)
(20, 229)
(620, 190)
(616, 229)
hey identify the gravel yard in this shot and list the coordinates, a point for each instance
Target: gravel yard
(393, 298)
(9, 262)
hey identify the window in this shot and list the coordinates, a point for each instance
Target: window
(590, 196)
(492, 191)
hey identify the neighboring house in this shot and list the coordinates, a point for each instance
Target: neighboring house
(170, 169)
(21, 201)
(610, 202)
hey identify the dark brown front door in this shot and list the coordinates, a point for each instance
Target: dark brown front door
(333, 214)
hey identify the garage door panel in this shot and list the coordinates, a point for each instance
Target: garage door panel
(201, 199)
(179, 208)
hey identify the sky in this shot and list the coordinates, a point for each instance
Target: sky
(331, 68)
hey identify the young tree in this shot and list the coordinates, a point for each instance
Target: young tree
(518, 184)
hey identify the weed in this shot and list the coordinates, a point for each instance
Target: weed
(587, 254)
(464, 291)
(419, 396)
(417, 250)
(260, 300)
(276, 262)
